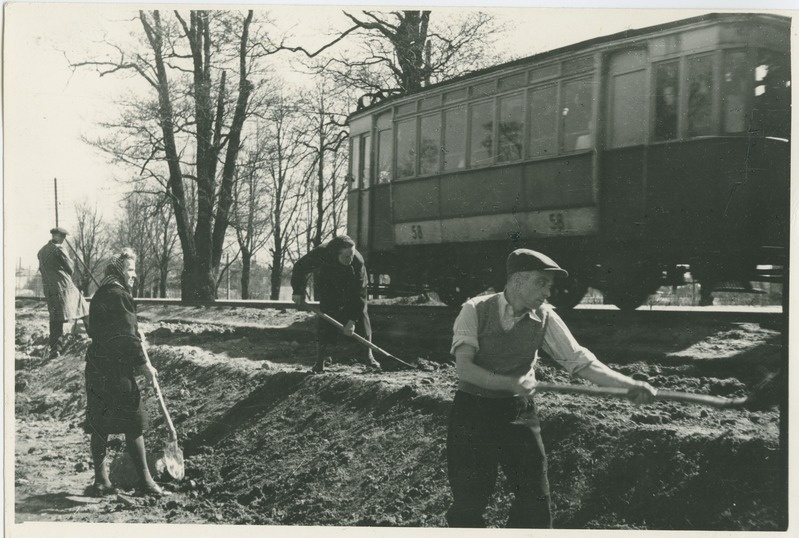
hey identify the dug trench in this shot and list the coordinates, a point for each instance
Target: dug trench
(268, 443)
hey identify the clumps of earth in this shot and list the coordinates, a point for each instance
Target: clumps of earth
(268, 443)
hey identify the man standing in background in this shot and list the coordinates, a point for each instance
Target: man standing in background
(65, 303)
(341, 284)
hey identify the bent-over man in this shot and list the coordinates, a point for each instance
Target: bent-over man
(341, 283)
(494, 420)
(65, 303)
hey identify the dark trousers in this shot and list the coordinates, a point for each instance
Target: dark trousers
(485, 433)
(329, 336)
(56, 332)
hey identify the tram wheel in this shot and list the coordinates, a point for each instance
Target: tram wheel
(568, 292)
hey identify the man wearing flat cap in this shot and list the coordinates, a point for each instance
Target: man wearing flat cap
(494, 421)
(65, 303)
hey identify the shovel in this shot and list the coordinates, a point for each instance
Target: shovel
(687, 397)
(360, 339)
(170, 461)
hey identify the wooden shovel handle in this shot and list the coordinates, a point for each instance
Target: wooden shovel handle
(173, 435)
(703, 399)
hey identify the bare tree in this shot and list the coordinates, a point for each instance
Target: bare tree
(284, 156)
(252, 225)
(163, 237)
(134, 230)
(90, 243)
(325, 135)
(400, 52)
(195, 126)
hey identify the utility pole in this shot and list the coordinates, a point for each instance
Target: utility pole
(55, 187)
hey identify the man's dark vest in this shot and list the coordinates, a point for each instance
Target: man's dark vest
(504, 353)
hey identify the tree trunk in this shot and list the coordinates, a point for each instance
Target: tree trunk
(320, 184)
(277, 269)
(85, 282)
(162, 282)
(197, 283)
(246, 259)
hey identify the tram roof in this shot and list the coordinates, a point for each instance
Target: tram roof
(618, 36)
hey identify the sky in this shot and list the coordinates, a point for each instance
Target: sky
(48, 107)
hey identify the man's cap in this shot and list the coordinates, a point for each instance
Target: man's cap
(59, 230)
(524, 259)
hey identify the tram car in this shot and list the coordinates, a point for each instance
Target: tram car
(631, 159)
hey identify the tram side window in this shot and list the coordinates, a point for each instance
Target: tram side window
(666, 99)
(511, 125)
(429, 144)
(366, 167)
(455, 138)
(543, 121)
(355, 161)
(734, 83)
(482, 133)
(576, 110)
(384, 156)
(772, 108)
(700, 95)
(406, 148)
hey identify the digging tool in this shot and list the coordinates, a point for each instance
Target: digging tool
(170, 461)
(360, 339)
(77, 257)
(687, 397)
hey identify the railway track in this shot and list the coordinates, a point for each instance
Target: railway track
(769, 315)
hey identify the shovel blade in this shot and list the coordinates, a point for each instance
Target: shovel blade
(169, 463)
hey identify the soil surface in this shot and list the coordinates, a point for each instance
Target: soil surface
(268, 443)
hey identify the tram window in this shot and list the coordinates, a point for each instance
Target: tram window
(484, 89)
(482, 134)
(384, 156)
(511, 123)
(576, 114)
(406, 148)
(512, 82)
(630, 106)
(666, 99)
(429, 144)
(455, 138)
(700, 95)
(543, 121)
(734, 83)
(366, 152)
(355, 161)
(772, 106)
(455, 95)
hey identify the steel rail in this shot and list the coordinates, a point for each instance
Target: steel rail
(742, 314)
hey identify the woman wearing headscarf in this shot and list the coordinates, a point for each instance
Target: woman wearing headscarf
(114, 357)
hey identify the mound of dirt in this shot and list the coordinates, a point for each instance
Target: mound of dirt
(266, 442)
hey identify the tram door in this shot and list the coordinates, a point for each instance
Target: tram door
(623, 163)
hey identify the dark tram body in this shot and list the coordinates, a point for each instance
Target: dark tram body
(630, 159)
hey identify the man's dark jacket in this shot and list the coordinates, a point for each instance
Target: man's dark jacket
(341, 289)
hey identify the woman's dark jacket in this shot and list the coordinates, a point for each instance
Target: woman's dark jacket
(113, 397)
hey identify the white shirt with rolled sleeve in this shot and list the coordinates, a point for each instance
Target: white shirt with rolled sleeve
(559, 343)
